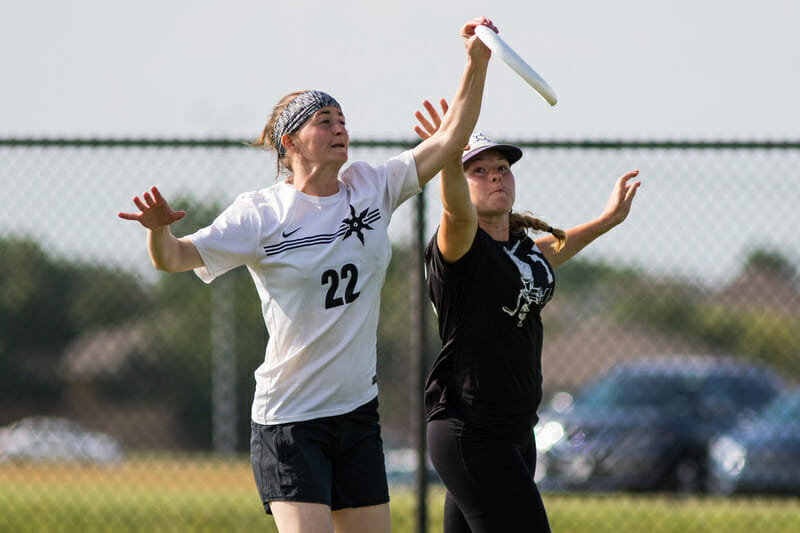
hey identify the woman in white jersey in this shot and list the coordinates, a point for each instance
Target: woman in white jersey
(489, 281)
(317, 248)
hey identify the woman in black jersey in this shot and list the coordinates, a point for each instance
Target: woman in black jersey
(489, 281)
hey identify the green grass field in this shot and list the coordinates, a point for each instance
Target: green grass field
(198, 494)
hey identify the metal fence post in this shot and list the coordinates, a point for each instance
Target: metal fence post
(223, 377)
(419, 367)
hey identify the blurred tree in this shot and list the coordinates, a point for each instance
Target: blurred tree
(578, 276)
(45, 303)
(770, 261)
(755, 316)
(395, 360)
(175, 364)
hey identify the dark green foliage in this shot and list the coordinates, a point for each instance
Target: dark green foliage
(44, 305)
(159, 347)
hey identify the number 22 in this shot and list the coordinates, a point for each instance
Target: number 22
(350, 273)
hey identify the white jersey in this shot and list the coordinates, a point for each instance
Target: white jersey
(318, 264)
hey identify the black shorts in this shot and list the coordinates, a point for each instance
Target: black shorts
(337, 461)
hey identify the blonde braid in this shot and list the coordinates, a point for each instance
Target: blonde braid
(526, 221)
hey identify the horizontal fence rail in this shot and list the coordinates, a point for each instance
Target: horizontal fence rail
(603, 144)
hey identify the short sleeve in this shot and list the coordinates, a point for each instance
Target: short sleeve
(230, 241)
(445, 280)
(402, 179)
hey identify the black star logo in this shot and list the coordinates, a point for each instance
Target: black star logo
(356, 224)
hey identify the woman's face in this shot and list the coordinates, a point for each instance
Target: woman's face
(323, 138)
(491, 183)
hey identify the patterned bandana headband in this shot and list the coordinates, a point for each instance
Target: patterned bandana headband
(297, 112)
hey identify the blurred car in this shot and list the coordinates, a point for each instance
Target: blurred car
(56, 439)
(760, 455)
(401, 467)
(646, 423)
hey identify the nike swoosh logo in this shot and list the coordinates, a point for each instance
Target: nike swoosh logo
(290, 233)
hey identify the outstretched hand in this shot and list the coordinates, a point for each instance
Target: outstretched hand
(430, 127)
(154, 212)
(619, 203)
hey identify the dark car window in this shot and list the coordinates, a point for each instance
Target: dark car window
(639, 391)
(629, 389)
(741, 391)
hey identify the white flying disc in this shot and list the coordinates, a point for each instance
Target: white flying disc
(517, 64)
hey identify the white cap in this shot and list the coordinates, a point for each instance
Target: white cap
(479, 142)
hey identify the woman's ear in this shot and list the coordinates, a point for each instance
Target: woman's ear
(287, 141)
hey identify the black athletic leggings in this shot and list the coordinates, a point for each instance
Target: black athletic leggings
(489, 479)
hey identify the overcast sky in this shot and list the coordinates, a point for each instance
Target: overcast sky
(621, 68)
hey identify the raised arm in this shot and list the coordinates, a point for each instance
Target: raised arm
(617, 209)
(459, 221)
(167, 252)
(446, 144)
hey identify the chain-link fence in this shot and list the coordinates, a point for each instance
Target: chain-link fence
(124, 393)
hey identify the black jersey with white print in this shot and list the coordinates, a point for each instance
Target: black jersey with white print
(488, 304)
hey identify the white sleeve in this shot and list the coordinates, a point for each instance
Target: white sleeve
(402, 180)
(230, 241)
